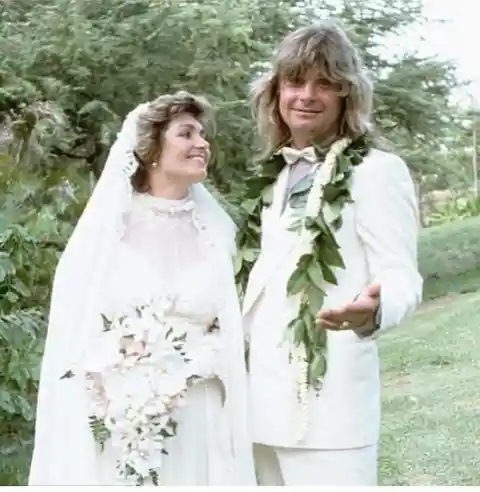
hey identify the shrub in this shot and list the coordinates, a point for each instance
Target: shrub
(449, 257)
(36, 218)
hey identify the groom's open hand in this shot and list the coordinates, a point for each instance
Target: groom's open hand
(356, 314)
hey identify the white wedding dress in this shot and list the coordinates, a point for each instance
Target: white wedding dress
(124, 248)
(167, 252)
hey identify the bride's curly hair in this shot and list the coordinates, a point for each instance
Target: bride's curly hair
(152, 125)
(326, 49)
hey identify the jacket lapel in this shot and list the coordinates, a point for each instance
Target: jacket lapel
(272, 253)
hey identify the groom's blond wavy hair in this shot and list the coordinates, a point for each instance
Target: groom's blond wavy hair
(326, 50)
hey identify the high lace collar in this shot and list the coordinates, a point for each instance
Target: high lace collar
(161, 205)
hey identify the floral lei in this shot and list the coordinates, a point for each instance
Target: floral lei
(326, 196)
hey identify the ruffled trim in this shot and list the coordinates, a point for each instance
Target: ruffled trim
(163, 206)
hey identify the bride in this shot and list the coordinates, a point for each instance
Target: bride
(119, 402)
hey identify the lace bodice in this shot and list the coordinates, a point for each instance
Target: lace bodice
(166, 250)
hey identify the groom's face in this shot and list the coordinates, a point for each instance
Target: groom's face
(310, 106)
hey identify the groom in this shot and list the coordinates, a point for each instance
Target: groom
(312, 324)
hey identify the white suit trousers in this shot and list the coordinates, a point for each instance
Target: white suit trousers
(316, 467)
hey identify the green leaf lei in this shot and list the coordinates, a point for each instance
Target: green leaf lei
(314, 270)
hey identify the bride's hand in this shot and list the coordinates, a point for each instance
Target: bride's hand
(131, 347)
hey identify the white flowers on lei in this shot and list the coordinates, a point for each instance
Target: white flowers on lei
(313, 207)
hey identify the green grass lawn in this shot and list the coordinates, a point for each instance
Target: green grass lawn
(431, 400)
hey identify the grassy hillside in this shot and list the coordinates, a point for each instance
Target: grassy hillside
(431, 409)
(430, 367)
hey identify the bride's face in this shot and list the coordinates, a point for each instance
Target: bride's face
(185, 151)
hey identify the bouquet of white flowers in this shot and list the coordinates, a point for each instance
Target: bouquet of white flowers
(137, 375)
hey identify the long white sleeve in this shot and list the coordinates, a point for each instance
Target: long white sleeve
(388, 225)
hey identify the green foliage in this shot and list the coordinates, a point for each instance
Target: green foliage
(455, 209)
(35, 220)
(79, 57)
(21, 330)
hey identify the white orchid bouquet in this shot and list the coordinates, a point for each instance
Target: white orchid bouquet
(137, 375)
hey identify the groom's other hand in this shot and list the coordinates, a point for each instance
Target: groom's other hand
(359, 313)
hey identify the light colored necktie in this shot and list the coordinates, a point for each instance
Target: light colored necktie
(292, 156)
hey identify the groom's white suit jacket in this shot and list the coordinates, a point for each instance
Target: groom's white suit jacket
(378, 241)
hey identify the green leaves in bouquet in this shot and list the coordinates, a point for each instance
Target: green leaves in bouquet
(100, 432)
(107, 323)
(154, 477)
(68, 375)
